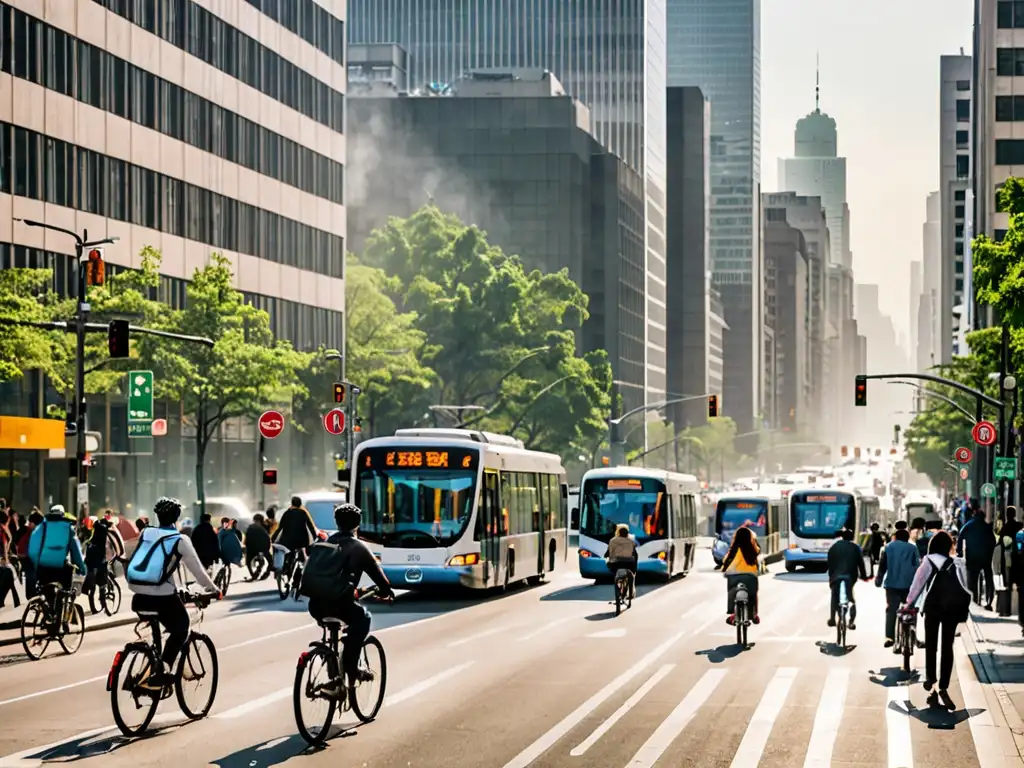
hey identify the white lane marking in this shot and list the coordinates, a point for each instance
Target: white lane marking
(272, 744)
(425, 685)
(988, 735)
(609, 633)
(477, 636)
(251, 706)
(757, 638)
(897, 726)
(58, 689)
(548, 740)
(677, 720)
(631, 702)
(34, 757)
(548, 627)
(760, 728)
(827, 720)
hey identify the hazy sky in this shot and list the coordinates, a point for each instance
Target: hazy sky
(880, 81)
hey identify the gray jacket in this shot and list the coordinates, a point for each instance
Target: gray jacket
(898, 565)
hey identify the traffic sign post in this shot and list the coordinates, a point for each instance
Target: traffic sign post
(988, 491)
(140, 404)
(271, 424)
(1005, 468)
(963, 455)
(984, 433)
(334, 421)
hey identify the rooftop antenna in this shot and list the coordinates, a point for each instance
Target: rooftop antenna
(817, 81)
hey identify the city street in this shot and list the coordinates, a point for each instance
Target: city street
(545, 677)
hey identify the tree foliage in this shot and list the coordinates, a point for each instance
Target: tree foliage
(26, 295)
(496, 336)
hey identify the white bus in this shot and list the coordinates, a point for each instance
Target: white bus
(660, 509)
(815, 515)
(460, 507)
(926, 505)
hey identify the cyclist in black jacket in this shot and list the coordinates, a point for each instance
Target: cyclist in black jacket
(296, 530)
(845, 562)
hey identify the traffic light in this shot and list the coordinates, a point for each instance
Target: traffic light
(860, 394)
(270, 477)
(339, 392)
(357, 426)
(117, 338)
(712, 406)
(95, 272)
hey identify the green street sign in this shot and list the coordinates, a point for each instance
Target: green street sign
(988, 491)
(1005, 468)
(140, 396)
(140, 429)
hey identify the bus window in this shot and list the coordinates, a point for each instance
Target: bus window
(735, 513)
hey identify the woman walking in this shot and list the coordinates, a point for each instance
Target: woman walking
(942, 580)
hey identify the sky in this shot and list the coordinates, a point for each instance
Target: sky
(880, 81)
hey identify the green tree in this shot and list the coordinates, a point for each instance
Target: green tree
(25, 295)
(245, 372)
(998, 268)
(713, 445)
(498, 337)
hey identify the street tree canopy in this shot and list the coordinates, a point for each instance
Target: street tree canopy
(26, 295)
(496, 336)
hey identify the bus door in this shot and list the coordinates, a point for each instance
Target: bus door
(542, 504)
(493, 524)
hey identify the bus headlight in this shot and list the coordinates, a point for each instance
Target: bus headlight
(586, 553)
(462, 560)
(659, 556)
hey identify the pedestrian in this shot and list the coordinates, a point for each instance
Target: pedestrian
(230, 543)
(919, 536)
(980, 540)
(257, 542)
(271, 519)
(942, 580)
(896, 568)
(204, 540)
(27, 567)
(876, 541)
(1010, 525)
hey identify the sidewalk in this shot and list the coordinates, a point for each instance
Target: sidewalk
(10, 618)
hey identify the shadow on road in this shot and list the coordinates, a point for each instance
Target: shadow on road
(935, 717)
(598, 592)
(282, 749)
(810, 577)
(834, 650)
(723, 652)
(890, 677)
(98, 744)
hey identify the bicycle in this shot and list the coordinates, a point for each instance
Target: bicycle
(742, 614)
(259, 566)
(325, 651)
(133, 665)
(290, 575)
(106, 597)
(223, 578)
(54, 614)
(844, 610)
(906, 635)
(623, 590)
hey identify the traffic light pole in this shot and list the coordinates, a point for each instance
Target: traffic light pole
(618, 449)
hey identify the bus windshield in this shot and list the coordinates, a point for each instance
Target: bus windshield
(732, 514)
(925, 510)
(820, 515)
(612, 501)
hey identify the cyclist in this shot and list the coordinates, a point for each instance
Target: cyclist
(52, 544)
(151, 576)
(896, 569)
(332, 573)
(296, 529)
(845, 561)
(741, 567)
(622, 554)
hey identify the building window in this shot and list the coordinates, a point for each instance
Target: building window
(963, 110)
(1009, 109)
(1009, 62)
(963, 166)
(959, 195)
(1009, 151)
(959, 267)
(1010, 14)
(963, 85)
(998, 235)
(775, 214)
(963, 138)
(958, 211)
(958, 230)
(958, 248)
(959, 285)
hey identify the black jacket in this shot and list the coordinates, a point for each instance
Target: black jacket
(360, 560)
(845, 561)
(204, 539)
(257, 539)
(296, 530)
(979, 539)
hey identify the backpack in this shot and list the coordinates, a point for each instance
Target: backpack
(55, 538)
(946, 596)
(153, 565)
(325, 576)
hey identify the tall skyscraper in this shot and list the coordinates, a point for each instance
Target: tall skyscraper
(716, 45)
(609, 55)
(931, 283)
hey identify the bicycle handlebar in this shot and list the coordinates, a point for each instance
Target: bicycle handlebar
(200, 600)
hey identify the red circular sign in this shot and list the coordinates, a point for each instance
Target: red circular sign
(963, 455)
(271, 424)
(334, 421)
(159, 427)
(984, 433)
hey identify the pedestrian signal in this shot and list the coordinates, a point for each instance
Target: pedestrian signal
(95, 271)
(117, 339)
(712, 406)
(270, 477)
(860, 395)
(339, 392)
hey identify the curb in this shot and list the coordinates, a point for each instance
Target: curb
(129, 620)
(972, 641)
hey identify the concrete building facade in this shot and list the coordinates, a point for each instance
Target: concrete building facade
(786, 302)
(931, 278)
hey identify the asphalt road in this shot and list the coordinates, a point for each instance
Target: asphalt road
(544, 677)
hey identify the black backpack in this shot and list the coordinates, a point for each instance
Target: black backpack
(325, 575)
(947, 599)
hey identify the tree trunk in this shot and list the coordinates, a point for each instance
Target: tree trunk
(201, 443)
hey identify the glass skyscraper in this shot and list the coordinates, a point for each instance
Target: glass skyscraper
(609, 54)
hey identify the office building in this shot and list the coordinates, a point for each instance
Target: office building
(931, 278)
(786, 302)
(689, 300)
(544, 189)
(914, 302)
(717, 47)
(883, 354)
(954, 180)
(381, 64)
(619, 74)
(164, 130)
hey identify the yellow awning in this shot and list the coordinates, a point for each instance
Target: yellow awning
(20, 434)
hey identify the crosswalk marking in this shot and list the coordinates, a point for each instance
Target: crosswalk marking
(677, 720)
(631, 702)
(760, 727)
(826, 721)
(897, 725)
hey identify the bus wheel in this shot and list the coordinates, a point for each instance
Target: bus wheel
(790, 567)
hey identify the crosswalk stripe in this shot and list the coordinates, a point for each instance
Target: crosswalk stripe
(897, 725)
(677, 720)
(827, 720)
(760, 727)
(631, 702)
(993, 743)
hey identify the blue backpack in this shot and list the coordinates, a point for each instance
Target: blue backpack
(50, 544)
(155, 558)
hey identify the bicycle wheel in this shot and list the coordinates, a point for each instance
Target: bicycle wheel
(110, 597)
(314, 727)
(373, 660)
(296, 581)
(72, 631)
(131, 669)
(744, 627)
(284, 582)
(35, 632)
(740, 618)
(841, 629)
(197, 666)
(223, 579)
(618, 598)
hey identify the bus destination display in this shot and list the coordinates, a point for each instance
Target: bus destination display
(746, 505)
(822, 499)
(419, 458)
(618, 484)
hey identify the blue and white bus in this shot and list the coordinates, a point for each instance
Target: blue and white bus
(460, 507)
(815, 515)
(765, 513)
(660, 509)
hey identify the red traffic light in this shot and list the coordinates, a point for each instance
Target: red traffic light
(712, 406)
(117, 339)
(339, 392)
(860, 396)
(270, 477)
(95, 271)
